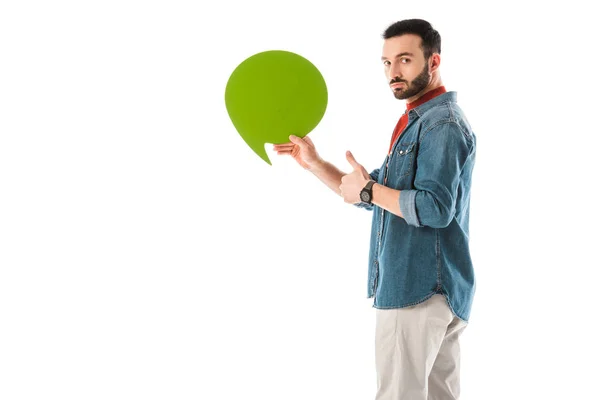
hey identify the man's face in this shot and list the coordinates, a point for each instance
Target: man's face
(405, 66)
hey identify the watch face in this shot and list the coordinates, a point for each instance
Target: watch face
(364, 196)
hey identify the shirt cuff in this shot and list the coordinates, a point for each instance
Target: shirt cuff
(368, 207)
(408, 207)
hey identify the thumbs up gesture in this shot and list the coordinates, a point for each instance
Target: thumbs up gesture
(353, 182)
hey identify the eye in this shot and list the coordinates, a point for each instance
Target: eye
(386, 63)
(404, 60)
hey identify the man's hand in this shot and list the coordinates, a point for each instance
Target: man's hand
(302, 150)
(354, 182)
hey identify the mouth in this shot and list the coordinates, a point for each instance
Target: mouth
(396, 85)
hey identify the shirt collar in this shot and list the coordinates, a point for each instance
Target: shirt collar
(448, 97)
(426, 97)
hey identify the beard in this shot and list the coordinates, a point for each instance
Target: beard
(413, 88)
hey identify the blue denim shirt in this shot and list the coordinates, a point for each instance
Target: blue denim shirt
(427, 251)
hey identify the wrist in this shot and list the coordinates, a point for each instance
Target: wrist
(376, 191)
(317, 166)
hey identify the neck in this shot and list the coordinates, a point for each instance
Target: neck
(436, 82)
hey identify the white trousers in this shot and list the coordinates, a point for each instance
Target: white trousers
(417, 353)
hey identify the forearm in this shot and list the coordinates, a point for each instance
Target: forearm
(387, 198)
(329, 174)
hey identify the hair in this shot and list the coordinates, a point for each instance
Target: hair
(431, 39)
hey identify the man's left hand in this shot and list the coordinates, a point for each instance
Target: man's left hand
(353, 182)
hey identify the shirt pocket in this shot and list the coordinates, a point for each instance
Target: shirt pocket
(404, 155)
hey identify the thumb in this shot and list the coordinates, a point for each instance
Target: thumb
(296, 140)
(352, 160)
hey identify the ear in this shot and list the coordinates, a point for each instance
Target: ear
(434, 62)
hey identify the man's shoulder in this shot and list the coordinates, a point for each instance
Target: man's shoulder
(438, 113)
(443, 113)
(440, 108)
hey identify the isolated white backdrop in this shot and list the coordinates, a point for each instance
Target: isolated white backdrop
(147, 253)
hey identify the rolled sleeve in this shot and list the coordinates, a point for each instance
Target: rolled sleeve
(442, 155)
(408, 207)
(375, 174)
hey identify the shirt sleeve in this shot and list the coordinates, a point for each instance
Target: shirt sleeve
(443, 152)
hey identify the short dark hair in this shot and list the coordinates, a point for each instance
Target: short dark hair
(431, 39)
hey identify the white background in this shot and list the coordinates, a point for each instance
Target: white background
(147, 253)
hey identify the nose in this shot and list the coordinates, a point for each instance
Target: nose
(394, 72)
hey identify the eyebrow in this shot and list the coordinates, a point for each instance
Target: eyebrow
(406, 53)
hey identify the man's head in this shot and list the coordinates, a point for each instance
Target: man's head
(411, 56)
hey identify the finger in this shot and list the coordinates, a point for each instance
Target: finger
(286, 146)
(296, 140)
(352, 160)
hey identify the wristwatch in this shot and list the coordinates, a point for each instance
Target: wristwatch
(366, 195)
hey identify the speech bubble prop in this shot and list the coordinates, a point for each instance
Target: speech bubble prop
(272, 95)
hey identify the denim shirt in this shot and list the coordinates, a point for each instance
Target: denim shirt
(427, 251)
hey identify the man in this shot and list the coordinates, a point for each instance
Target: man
(421, 276)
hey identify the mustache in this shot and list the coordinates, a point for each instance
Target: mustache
(397, 80)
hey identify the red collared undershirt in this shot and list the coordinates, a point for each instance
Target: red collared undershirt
(403, 121)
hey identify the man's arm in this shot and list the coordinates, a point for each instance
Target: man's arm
(387, 198)
(442, 155)
(443, 152)
(304, 152)
(329, 174)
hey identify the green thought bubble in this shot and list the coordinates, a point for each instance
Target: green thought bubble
(272, 95)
